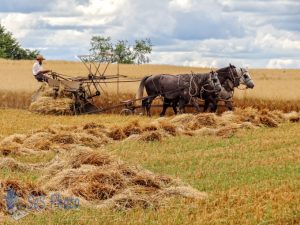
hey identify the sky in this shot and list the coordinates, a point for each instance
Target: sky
(210, 33)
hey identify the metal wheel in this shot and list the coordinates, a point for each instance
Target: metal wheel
(126, 112)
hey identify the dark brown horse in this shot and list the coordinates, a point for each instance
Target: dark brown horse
(177, 88)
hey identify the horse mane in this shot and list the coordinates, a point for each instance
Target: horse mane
(226, 69)
(225, 74)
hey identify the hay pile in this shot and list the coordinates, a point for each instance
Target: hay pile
(51, 106)
(98, 180)
(83, 169)
(23, 191)
(91, 135)
(230, 122)
(43, 102)
(57, 138)
(13, 165)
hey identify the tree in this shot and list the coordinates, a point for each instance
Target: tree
(100, 46)
(11, 49)
(122, 51)
(142, 48)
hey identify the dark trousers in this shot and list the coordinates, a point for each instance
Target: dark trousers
(41, 77)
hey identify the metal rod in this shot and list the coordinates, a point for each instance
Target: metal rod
(106, 82)
(105, 69)
(84, 63)
(98, 69)
(96, 66)
(107, 66)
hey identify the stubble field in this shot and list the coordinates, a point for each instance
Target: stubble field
(248, 163)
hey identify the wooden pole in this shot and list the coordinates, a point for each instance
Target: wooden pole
(118, 73)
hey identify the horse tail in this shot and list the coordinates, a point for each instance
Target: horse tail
(140, 91)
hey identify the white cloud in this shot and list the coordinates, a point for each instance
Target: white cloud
(139, 19)
(19, 24)
(74, 38)
(197, 59)
(282, 63)
(101, 8)
(185, 5)
(184, 32)
(268, 37)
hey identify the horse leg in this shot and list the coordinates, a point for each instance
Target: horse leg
(166, 104)
(144, 105)
(148, 106)
(229, 106)
(174, 105)
(211, 107)
(181, 106)
(206, 104)
(214, 106)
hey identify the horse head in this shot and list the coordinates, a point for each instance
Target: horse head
(234, 76)
(245, 78)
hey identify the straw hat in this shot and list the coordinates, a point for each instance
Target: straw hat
(40, 57)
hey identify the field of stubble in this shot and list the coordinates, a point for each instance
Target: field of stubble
(246, 162)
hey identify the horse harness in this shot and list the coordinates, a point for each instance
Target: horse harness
(187, 83)
(192, 82)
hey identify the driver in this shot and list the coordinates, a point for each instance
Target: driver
(38, 71)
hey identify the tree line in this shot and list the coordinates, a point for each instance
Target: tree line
(120, 51)
(10, 48)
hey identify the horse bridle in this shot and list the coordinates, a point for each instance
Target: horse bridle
(234, 79)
